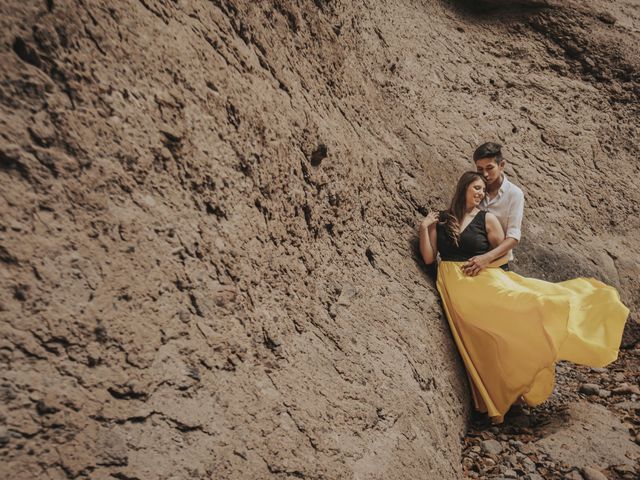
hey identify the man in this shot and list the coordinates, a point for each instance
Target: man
(503, 199)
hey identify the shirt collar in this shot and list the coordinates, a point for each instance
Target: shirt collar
(506, 184)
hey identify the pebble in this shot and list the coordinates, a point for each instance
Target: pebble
(527, 449)
(589, 388)
(604, 393)
(626, 470)
(489, 462)
(529, 464)
(606, 17)
(618, 376)
(573, 475)
(592, 474)
(626, 389)
(534, 476)
(491, 446)
(4, 436)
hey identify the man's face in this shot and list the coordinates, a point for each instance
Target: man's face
(490, 169)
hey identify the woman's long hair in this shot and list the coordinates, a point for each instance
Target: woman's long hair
(452, 217)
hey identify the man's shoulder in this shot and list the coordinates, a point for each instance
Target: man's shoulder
(515, 191)
(489, 216)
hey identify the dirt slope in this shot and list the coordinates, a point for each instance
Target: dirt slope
(209, 221)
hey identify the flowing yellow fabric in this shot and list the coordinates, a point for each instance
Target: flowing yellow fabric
(511, 330)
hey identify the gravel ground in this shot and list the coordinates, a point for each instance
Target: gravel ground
(523, 446)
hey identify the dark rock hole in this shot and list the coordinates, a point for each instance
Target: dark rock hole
(26, 52)
(319, 154)
(370, 257)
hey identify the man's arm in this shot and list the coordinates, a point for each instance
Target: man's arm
(475, 264)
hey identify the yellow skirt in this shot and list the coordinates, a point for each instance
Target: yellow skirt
(511, 330)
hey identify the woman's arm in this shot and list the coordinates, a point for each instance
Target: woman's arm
(494, 232)
(428, 238)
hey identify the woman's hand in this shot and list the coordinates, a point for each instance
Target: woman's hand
(428, 238)
(430, 219)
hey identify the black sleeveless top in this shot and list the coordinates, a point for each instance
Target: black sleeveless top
(473, 241)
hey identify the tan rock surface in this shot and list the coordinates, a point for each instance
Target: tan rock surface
(209, 221)
(589, 436)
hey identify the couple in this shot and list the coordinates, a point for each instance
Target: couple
(510, 330)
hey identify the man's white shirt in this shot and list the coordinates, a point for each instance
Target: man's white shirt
(508, 206)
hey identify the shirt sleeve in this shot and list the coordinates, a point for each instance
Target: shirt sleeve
(514, 219)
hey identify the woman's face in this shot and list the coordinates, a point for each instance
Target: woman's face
(475, 193)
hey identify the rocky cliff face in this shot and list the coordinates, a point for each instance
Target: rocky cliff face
(208, 231)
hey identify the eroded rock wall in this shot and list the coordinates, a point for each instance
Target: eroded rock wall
(210, 210)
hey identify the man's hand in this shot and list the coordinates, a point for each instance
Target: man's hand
(475, 265)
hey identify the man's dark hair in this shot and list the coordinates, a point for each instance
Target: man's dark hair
(488, 150)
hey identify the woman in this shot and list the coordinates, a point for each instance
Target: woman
(511, 330)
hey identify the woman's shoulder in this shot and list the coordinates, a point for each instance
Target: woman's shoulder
(482, 215)
(490, 218)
